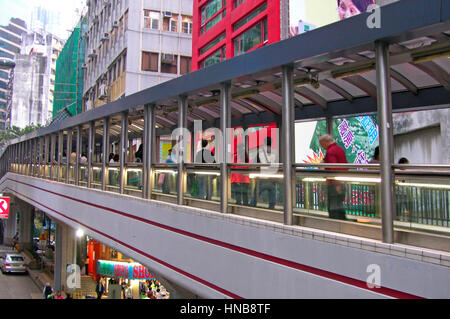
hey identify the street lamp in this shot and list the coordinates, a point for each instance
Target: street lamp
(80, 233)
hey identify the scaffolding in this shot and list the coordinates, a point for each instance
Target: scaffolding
(70, 73)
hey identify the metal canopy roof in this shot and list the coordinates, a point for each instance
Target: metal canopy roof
(334, 73)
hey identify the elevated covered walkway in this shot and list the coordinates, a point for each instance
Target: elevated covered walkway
(183, 220)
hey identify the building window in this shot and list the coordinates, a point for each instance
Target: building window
(169, 63)
(170, 23)
(185, 64)
(121, 27)
(186, 24)
(238, 2)
(125, 21)
(124, 63)
(151, 19)
(211, 44)
(252, 38)
(250, 16)
(214, 58)
(150, 61)
(211, 14)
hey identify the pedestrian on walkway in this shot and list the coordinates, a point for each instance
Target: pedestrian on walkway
(48, 291)
(99, 289)
(336, 193)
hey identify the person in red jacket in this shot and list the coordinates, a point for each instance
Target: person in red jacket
(336, 195)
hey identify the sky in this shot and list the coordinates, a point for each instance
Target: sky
(23, 9)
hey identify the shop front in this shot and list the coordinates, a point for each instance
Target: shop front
(120, 276)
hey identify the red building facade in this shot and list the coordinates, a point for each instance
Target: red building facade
(223, 29)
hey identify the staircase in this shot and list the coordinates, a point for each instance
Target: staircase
(87, 288)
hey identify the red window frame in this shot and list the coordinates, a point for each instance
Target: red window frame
(263, 40)
(221, 11)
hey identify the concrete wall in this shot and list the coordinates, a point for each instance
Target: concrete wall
(226, 256)
(422, 137)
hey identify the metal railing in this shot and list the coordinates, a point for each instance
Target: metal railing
(422, 192)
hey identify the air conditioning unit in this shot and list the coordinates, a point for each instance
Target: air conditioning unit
(84, 66)
(105, 37)
(93, 54)
(115, 24)
(167, 14)
(167, 58)
(102, 92)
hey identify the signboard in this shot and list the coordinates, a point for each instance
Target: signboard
(358, 136)
(4, 207)
(306, 15)
(123, 270)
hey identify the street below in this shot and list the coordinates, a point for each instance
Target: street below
(17, 286)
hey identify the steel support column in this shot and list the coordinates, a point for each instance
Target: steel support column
(123, 151)
(52, 153)
(20, 157)
(68, 154)
(225, 123)
(36, 157)
(30, 157)
(41, 166)
(182, 124)
(91, 135)
(78, 154)
(384, 100)
(148, 140)
(105, 150)
(288, 143)
(60, 153)
(46, 155)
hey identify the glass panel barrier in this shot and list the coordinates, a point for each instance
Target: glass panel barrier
(134, 177)
(255, 186)
(63, 173)
(83, 173)
(47, 171)
(203, 184)
(71, 173)
(350, 196)
(113, 176)
(423, 200)
(97, 174)
(165, 181)
(54, 172)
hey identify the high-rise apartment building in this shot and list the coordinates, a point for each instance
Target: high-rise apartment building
(133, 45)
(44, 19)
(34, 79)
(10, 44)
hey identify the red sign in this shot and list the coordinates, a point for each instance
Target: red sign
(4, 207)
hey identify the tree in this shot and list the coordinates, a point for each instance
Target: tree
(14, 132)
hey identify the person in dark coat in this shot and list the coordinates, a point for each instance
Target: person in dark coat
(99, 289)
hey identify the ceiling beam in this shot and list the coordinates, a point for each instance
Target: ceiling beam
(362, 84)
(312, 96)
